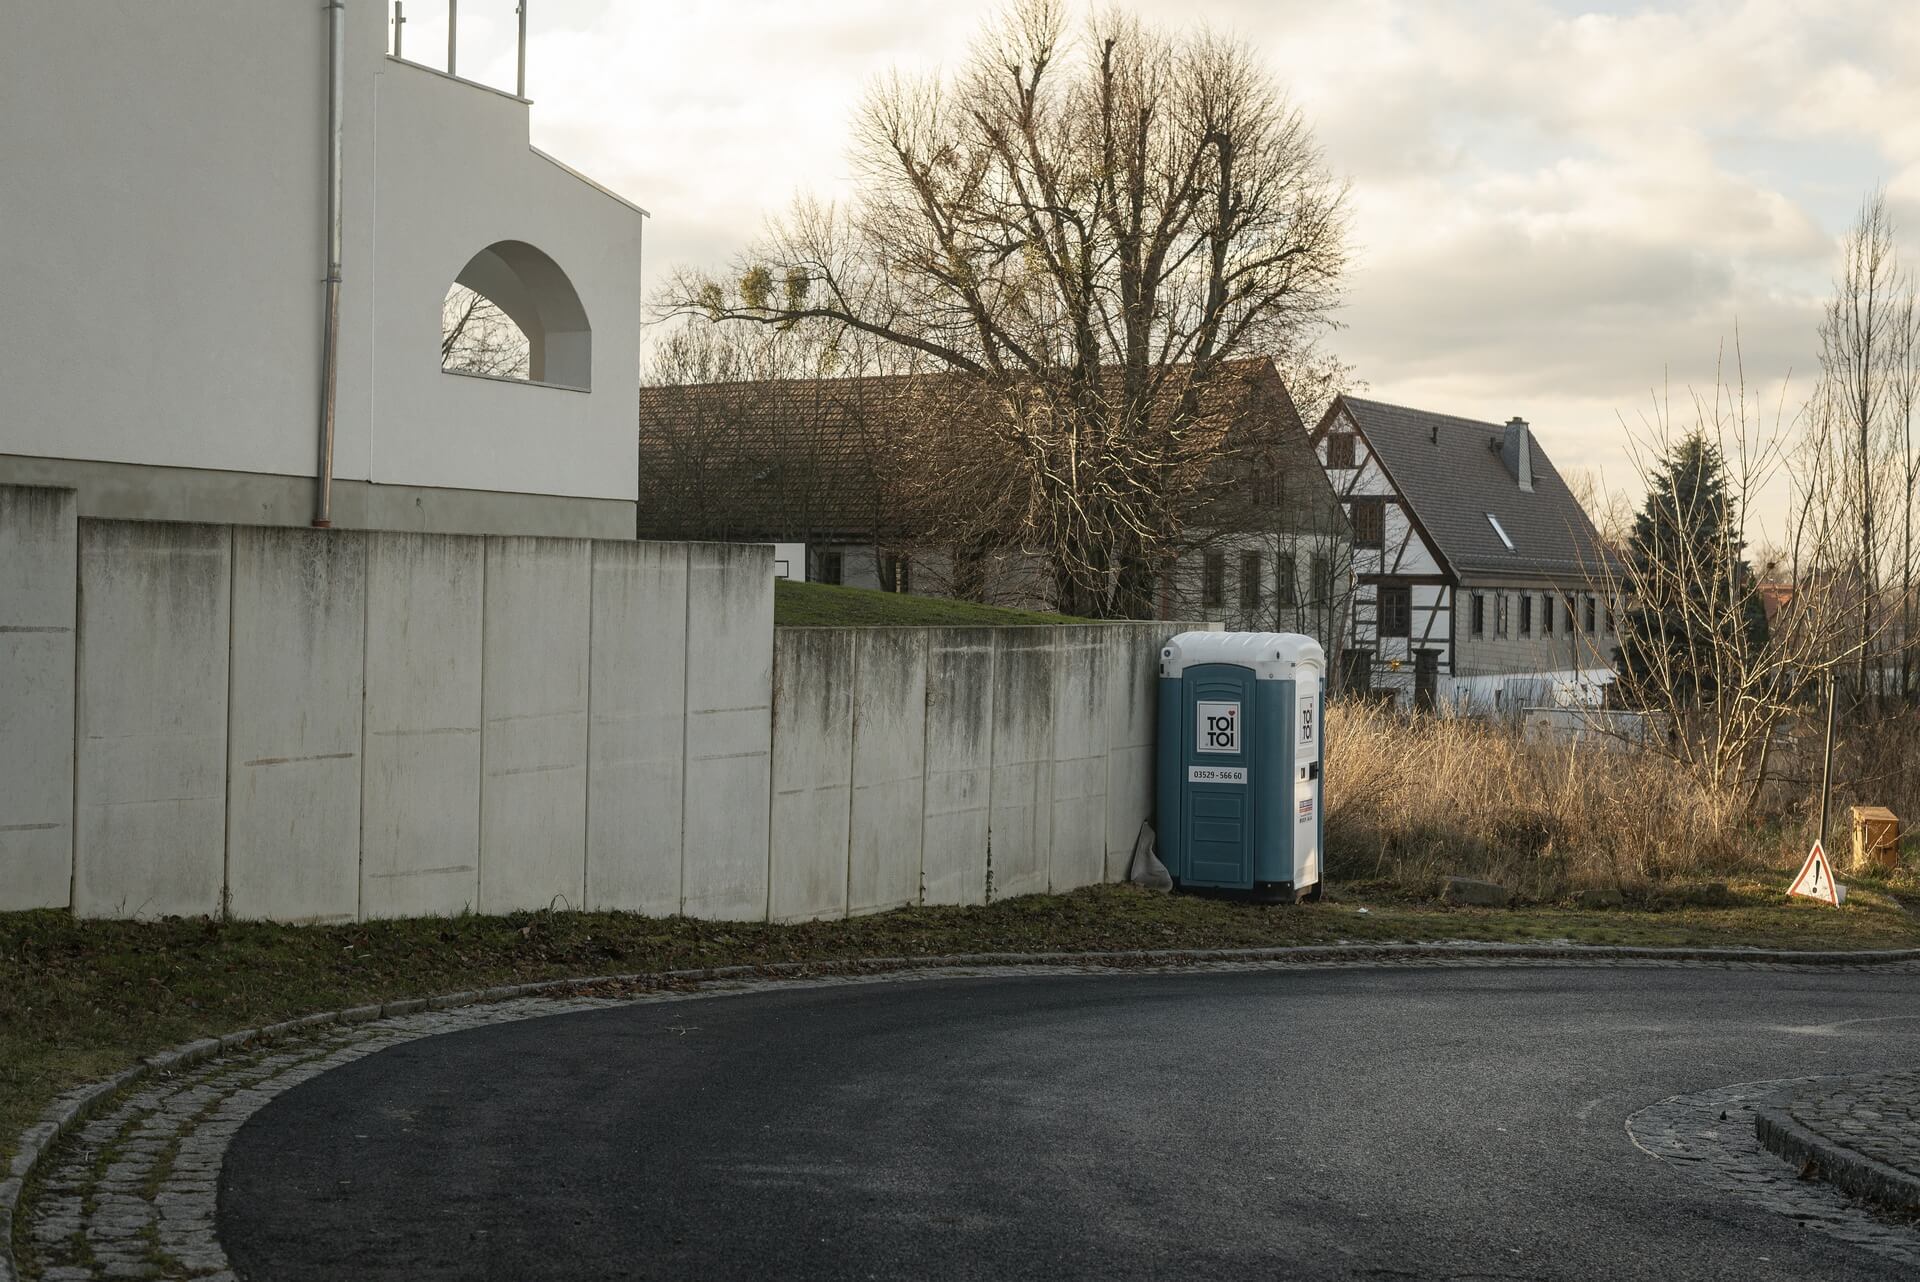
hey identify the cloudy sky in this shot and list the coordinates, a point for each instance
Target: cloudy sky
(1558, 206)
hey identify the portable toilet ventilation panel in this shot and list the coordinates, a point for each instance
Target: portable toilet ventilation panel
(1239, 784)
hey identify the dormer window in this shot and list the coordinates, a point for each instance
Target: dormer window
(1499, 529)
(1340, 449)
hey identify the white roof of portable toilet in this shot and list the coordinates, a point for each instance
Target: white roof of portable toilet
(1273, 656)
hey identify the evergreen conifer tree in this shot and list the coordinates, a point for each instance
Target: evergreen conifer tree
(1688, 584)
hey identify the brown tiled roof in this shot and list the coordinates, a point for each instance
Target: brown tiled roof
(808, 460)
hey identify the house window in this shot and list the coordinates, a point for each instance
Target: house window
(1369, 522)
(1321, 567)
(1500, 614)
(1286, 572)
(1249, 581)
(1396, 610)
(829, 568)
(1358, 678)
(1479, 616)
(1526, 614)
(1339, 449)
(1213, 579)
(1591, 607)
(1546, 614)
(896, 573)
(1500, 529)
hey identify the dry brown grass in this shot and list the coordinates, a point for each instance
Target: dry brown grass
(1412, 799)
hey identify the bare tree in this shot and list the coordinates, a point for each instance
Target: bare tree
(1083, 230)
(476, 337)
(1696, 649)
(1861, 420)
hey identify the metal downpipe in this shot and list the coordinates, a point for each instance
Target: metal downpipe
(330, 340)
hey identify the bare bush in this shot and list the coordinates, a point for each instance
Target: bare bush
(1411, 799)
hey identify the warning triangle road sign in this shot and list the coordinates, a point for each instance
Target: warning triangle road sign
(1816, 879)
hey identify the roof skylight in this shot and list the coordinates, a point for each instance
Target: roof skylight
(1499, 529)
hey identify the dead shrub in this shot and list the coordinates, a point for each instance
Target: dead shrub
(1413, 798)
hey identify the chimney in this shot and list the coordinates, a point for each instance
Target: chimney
(1516, 451)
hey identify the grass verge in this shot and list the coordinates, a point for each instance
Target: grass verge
(80, 1000)
(823, 605)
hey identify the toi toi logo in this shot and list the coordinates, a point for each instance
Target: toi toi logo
(1220, 731)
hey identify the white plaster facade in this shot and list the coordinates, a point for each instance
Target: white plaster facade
(163, 241)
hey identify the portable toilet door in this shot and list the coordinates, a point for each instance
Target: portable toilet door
(1217, 818)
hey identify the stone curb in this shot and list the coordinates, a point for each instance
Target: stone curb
(1864, 1177)
(76, 1105)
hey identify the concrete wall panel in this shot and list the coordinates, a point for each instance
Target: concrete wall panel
(420, 827)
(1022, 790)
(152, 762)
(729, 730)
(1077, 842)
(293, 725)
(533, 699)
(39, 548)
(1133, 669)
(813, 699)
(889, 769)
(636, 736)
(959, 761)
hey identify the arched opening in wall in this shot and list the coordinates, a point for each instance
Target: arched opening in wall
(512, 313)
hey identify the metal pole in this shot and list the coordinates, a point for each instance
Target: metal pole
(453, 25)
(399, 22)
(1826, 769)
(520, 83)
(330, 337)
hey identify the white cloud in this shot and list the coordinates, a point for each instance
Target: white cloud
(1553, 207)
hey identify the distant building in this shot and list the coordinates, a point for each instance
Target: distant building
(813, 461)
(164, 241)
(1477, 575)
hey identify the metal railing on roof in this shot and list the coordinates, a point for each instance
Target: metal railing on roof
(399, 25)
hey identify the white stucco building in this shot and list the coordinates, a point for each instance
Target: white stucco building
(165, 239)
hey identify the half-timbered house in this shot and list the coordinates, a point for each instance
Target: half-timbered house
(1475, 570)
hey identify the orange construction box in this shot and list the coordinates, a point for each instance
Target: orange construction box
(1876, 838)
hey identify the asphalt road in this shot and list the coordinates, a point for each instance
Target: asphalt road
(1387, 1123)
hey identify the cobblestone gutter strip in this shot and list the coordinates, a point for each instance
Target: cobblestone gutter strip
(76, 1106)
(1859, 1133)
(1709, 1136)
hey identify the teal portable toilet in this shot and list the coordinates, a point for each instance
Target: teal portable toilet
(1239, 784)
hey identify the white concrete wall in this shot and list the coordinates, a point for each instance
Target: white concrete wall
(1077, 841)
(959, 759)
(889, 769)
(533, 703)
(813, 698)
(1132, 709)
(38, 547)
(420, 826)
(1020, 818)
(151, 759)
(729, 730)
(317, 726)
(294, 731)
(637, 727)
